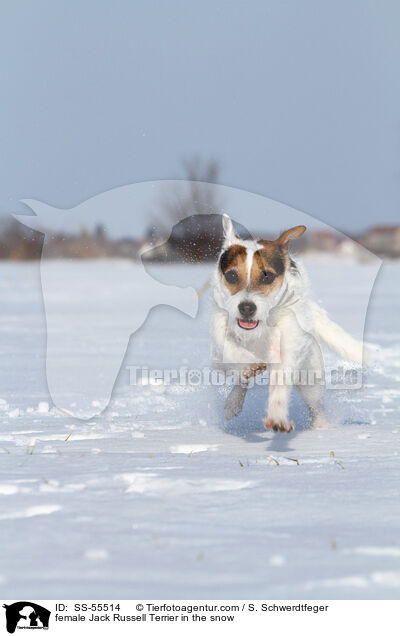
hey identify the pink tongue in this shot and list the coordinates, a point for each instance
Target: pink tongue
(248, 324)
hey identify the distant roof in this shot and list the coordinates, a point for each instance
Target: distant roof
(323, 233)
(383, 229)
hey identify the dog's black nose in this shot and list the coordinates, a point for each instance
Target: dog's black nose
(247, 308)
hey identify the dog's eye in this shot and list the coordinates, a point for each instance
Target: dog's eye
(231, 277)
(266, 278)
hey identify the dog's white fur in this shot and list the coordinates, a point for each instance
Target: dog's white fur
(286, 338)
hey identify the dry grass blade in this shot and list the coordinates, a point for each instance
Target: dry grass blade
(339, 464)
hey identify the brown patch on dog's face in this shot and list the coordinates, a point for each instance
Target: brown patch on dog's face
(268, 267)
(232, 265)
(272, 260)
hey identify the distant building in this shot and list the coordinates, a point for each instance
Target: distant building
(383, 240)
(321, 241)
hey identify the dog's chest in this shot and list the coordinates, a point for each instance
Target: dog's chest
(264, 345)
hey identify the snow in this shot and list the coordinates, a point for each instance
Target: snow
(158, 497)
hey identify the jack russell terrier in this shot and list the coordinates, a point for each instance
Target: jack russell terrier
(262, 315)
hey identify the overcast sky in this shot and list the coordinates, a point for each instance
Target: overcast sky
(299, 101)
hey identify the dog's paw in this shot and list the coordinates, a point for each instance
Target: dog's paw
(278, 427)
(253, 370)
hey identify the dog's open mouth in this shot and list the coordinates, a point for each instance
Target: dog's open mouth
(247, 324)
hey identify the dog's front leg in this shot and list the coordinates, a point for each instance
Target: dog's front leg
(280, 387)
(244, 362)
(235, 400)
(278, 409)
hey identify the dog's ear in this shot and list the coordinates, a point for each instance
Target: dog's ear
(293, 233)
(229, 233)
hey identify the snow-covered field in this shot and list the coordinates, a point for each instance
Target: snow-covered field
(160, 498)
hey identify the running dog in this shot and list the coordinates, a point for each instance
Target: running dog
(262, 315)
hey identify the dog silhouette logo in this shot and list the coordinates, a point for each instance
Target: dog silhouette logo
(26, 615)
(77, 307)
(93, 307)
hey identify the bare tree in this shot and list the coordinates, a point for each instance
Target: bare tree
(193, 195)
(187, 223)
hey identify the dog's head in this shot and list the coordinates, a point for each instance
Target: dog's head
(251, 274)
